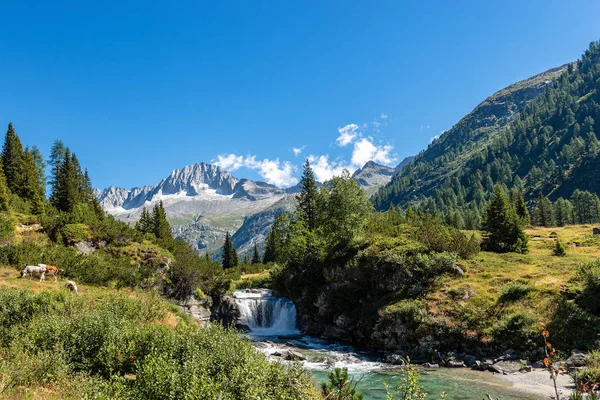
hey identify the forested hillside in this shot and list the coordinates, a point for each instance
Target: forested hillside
(547, 145)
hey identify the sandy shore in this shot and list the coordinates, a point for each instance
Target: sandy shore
(538, 382)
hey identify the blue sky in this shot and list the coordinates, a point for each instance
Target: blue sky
(137, 89)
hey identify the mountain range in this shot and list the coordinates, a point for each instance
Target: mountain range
(204, 202)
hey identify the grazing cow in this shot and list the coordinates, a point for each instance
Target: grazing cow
(52, 270)
(71, 286)
(34, 269)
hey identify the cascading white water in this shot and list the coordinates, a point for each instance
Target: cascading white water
(264, 314)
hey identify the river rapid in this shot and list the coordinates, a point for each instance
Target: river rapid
(273, 330)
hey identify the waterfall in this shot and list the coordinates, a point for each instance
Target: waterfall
(264, 314)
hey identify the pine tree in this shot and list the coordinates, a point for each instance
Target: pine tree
(543, 211)
(57, 156)
(65, 191)
(229, 258)
(255, 256)
(160, 225)
(270, 254)
(518, 202)
(504, 228)
(12, 160)
(307, 199)
(145, 224)
(246, 260)
(32, 185)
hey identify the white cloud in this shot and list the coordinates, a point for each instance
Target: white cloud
(365, 150)
(433, 139)
(324, 170)
(229, 162)
(298, 150)
(274, 172)
(347, 134)
(383, 116)
(425, 127)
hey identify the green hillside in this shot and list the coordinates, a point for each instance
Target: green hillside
(537, 136)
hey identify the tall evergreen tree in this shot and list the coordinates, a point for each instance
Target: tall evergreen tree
(270, 254)
(57, 156)
(543, 211)
(229, 258)
(12, 160)
(65, 190)
(504, 227)
(517, 200)
(307, 199)
(160, 225)
(255, 256)
(145, 224)
(33, 185)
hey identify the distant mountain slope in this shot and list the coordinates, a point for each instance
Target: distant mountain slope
(203, 202)
(537, 135)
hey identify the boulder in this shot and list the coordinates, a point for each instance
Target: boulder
(276, 354)
(506, 367)
(596, 231)
(294, 356)
(479, 366)
(430, 365)
(577, 359)
(455, 364)
(527, 368)
(395, 359)
(242, 327)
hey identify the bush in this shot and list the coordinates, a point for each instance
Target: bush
(590, 297)
(517, 330)
(559, 249)
(515, 291)
(7, 229)
(110, 340)
(73, 233)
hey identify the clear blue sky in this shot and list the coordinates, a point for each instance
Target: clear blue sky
(137, 89)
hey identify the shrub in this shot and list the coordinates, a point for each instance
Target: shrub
(73, 233)
(517, 330)
(7, 229)
(590, 297)
(559, 249)
(514, 291)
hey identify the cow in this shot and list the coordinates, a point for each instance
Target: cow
(34, 269)
(52, 270)
(71, 286)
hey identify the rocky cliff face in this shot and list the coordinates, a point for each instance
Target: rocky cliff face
(373, 175)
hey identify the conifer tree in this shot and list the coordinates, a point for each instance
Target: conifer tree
(12, 160)
(57, 156)
(270, 254)
(543, 211)
(32, 186)
(504, 228)
(160, 225)
(518, 202)
(255, 256)
(229, 258)
(246, 260)
(144, 224)
(65, 190)
(307, 199)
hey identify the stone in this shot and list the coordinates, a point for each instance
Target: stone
(506, 367)
(455, 364)
(242, 327)
(395, 359)
(294, 356)
(85, 247)
(276, 354)
(470, 360)
(596, 231)
(430, 365)
(527, 368)
(577, 359)
(479, 366)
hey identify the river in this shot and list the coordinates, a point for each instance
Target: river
(272, 321)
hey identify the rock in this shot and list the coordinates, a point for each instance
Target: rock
(510, 354)
(225, 310)
(470, 360)
(553, 234)
(85, 247)
(527, 368)
(457, 270)
(199, 313)
(577, 359)
(276, 354)
(455, 364)
(506, 367)
(479, 366)
(294, 356)
(596, 231)
(395, 359)
(430, 365)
